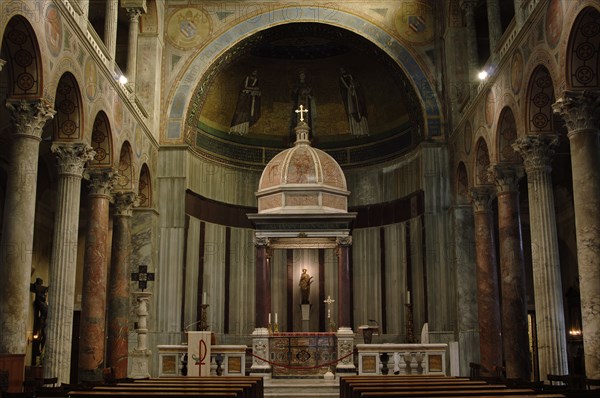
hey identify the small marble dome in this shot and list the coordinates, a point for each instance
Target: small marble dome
(302, 179)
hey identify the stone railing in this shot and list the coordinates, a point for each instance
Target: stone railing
(225, 360)
(401, 359)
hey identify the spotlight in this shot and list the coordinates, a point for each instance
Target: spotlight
(482, 75)
(123, 79)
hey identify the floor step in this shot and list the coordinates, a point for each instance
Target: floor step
(302, 388)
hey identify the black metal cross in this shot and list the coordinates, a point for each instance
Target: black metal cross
(142, 277)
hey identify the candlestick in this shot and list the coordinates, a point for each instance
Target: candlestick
(275, 318)
(408, 297)
(269, 318)
(204, 298)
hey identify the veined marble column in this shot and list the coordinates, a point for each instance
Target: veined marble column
(472, 57)
(72, 158)
(490, 339)
(537, 151)
(263, 282)
(110, 27)
(118, 290)
(16, 246)
(581, 111)
(134, 28)
(494, 24)
(344, 283)
(92, 335)
(466, 282)
(515, 335)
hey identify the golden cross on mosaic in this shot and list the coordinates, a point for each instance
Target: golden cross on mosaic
(301, 111)
(142, 277)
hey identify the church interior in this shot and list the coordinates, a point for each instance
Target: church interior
(415, 171)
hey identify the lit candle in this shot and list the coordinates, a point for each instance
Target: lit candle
(269, 317)
(328, 313)
(408, 297)
(204, 298)
(275, 318)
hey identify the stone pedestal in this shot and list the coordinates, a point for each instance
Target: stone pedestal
(260, 348)
(72, 158)
(345, 342)
(29, 117)
(141, 354)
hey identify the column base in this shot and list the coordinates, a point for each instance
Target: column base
(140, 364)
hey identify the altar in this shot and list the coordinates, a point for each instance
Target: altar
(302, 354)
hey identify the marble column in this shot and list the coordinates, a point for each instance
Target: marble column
(118, 289)
(92, 335)
(134, 28)
(537, 151)
(111, 19)
(344, 283)
(515, 335)
(263, 283)
(468, 7)
(16, 246)
(72, 158)
(490, 339)
(494, 24)
(581, 112)
(466, 283)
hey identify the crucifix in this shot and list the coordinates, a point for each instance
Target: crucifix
(329, 301)
(301, 111)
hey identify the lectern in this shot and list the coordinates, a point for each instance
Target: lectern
(368, 331)
(199, 353)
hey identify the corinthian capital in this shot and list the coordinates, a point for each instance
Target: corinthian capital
(124, 203)
(505, 176)
(580, 109)
(101, 181)
(344, 241)
(30, 117)
(261, 242)
(481, 197)
(72, 157)
(536, 151)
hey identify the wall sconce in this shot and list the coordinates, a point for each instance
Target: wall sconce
(575, 332)
(32, 337)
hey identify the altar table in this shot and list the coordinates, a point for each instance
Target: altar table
(302, 354)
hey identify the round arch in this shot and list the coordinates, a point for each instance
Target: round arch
(181, 96)
(539, 100)
(20, 44)
(125, 180)
(506, 135)
(462, 184)
(68, 120)
(482, 162)
(101, 141)
(583, 51)
(145, 188)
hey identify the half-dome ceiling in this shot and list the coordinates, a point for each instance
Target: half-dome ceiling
(244, 109)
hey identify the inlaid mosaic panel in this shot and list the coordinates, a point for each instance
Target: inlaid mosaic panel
(306, 355)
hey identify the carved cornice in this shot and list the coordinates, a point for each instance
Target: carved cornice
(579, 109)
(29, 117)
(536, 151)
(72, 157)
(481, 198)
(505, 176)
(101, 181)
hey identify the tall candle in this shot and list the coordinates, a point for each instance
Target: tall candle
(204, 298)
(408, 297)
(269, 317)
(275, 318)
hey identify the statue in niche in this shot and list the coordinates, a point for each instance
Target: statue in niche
(354, 103)
(303, 94)
(305, 281)
(247, 109)
(40, 314)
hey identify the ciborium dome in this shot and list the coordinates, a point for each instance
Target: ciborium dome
(302, 179)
